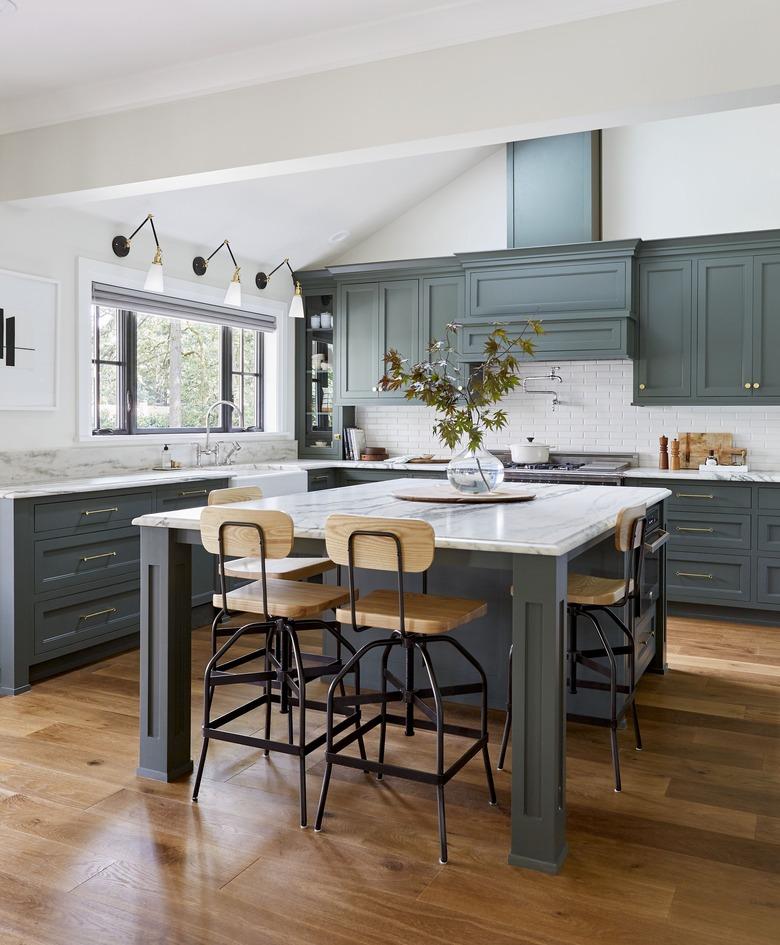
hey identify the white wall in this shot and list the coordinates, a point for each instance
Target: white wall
(714, 173)
(49, 243)
(595, 414)
(468, 214)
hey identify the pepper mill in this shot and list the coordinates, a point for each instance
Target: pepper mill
(663, 454)
(675, 454)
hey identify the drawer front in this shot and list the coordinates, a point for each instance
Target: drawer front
(713, 530)
(708, 578)
(769, 498)
(92, 512)
(768, 589)
(69, 623)
(71, 561)
(709, 495)
(769, 533)
(321, 479)
(186, 495)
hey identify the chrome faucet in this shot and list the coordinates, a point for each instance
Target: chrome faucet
(552, 376)
(208, 450)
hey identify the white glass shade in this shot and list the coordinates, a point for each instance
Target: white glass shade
(296, 306)
(233, 294)
(154, 277)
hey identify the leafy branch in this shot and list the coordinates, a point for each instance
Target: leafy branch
(465, 407)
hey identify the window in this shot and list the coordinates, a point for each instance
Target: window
(154, 373)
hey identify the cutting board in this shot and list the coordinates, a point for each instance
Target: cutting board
(695, 447)
(445, 493)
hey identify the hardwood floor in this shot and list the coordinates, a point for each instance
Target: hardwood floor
(688, 853)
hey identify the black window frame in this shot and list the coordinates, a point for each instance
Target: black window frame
(128, 382)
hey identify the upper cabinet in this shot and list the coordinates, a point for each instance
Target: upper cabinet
(709, 321)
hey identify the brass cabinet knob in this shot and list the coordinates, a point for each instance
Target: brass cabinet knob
(747, 386)
(756, 385)
(641, 386)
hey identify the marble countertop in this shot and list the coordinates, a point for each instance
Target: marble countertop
(721, 474)
(562, 517)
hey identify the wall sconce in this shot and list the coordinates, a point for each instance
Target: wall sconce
(233, 294)
(296, 306)
(121, 247)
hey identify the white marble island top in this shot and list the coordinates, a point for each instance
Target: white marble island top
(560, 519)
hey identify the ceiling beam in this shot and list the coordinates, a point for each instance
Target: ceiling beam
(677, 58)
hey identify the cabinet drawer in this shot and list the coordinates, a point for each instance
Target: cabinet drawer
(711, 530)
(769, 498)
(69, 623)
(699, 495)
(186, 495)
(768, 580)
(769, 533)
(321, 479)
(80, 559)
(708, 578)
(92, 512)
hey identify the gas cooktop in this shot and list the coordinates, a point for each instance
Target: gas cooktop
(594, 468)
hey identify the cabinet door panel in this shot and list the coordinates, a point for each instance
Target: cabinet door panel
(357, 328)
(399, 324)
(724, 324)
(665, 329)
(443, 301)
(766, 327)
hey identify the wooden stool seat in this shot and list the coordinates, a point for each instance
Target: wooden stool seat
(596, 591)
(286, 569)
(285, 598)
(423, 613)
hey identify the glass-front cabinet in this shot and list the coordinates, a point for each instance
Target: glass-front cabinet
(320, 421)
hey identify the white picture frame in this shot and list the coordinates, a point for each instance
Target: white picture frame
(30, 307)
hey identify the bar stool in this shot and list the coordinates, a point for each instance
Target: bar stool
(285, 608)
(415, 621)
(587, 596)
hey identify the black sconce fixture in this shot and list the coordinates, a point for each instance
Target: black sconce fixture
(121, 247)
(296, 306)
(233, 294)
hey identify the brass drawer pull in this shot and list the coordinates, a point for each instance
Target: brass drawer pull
(113, 508)
(193, 492)
(98, 613)
(693, 495)
(694, 574)
(690, 528)
(105, 554)
(319, 479)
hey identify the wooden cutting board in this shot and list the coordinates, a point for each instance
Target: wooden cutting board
(695, 447)
(445, 493)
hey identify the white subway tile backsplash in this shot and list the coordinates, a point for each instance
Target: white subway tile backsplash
(594, 413)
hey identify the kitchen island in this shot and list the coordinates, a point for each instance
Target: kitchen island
(528, 545)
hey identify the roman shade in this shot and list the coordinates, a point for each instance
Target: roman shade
(136, 300)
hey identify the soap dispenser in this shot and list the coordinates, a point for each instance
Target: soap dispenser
(166, 457)
(712, 459)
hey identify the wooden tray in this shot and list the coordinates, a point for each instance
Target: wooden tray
(428, 460)
(446, 494)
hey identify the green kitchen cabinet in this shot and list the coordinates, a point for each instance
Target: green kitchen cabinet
(399, 326)
(442, 302)
(357, 341)
(765, 371)
(664, 367)
(724, 327)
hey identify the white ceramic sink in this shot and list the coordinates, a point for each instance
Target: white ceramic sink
(281, 482)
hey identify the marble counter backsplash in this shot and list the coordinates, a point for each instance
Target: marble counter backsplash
(88, 461)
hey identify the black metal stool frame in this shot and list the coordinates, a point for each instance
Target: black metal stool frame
(276, 673)
(405, 693)
(587, 658)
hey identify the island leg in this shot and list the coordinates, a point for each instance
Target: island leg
(539, 713)
(166, 578)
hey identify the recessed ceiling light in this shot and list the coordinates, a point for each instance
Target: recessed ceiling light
(9, 6)
(339, 236)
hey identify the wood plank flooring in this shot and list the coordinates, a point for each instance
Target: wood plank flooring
(689, 852)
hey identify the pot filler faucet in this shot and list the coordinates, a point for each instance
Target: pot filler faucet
(207, 450)
(552, 376)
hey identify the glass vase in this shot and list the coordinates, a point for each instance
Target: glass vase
(475, 472)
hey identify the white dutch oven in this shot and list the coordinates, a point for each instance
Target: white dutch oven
(530, 452)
